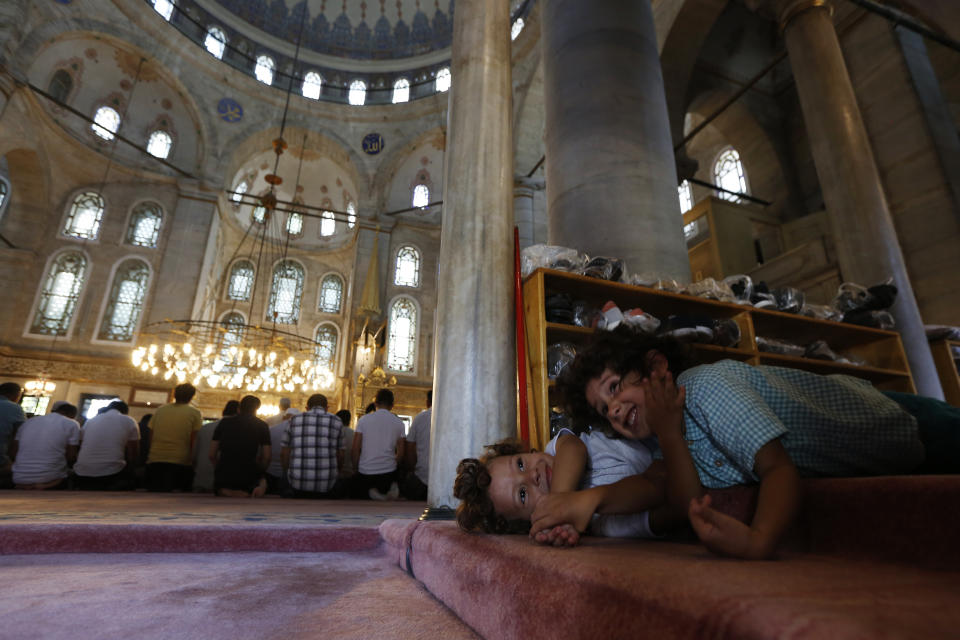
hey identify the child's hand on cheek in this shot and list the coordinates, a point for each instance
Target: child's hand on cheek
(574, 508)
(663, 404)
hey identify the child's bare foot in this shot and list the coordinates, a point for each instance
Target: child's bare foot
(259, 490)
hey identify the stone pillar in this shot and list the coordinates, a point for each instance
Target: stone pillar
(474, 400)
(867, 246)
(523, 215)
(611, 179)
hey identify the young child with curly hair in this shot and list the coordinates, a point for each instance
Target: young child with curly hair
(746, 424)
(622, 492)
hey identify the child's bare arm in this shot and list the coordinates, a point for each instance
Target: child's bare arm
(568, 463)
(777, 506)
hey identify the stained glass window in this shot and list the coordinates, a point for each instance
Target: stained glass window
(285, 293)
(328, 224)
(401, 348)
(331, 292)
(358, 92)
(60, 85)
(85, 215)
(443, 80)
(159, 144)
(401, 90)
(264, 69)
(241, 281)
(326, 348)
(145, 221)
(106, 121)
(312, 85)
(294, 223)
(686, 196)
(351, 215)
(407, 272)
(125, 302)
(59, 295)
(215, 42)
(421, 195)
(164, 8)
(728, 173)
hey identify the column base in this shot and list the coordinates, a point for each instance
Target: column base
(438, 513)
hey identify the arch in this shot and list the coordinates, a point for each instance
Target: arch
(106, 122)
(54, 307)
(328, 224)
(164, 8)
(61, 85)
(84, 216)
(330, 296)
(286, 291)
(407, 267)
(122, 308)
(326, 350)
(312, 85)
(395, 157)
(357, 95)
(728, 172)
(159, 144)
(401, 91)
(144, 224)
(685, 194)
(240, 282)
(402, 334)
(442, 80)
(215, 42)
(421, 196)
(264, 69)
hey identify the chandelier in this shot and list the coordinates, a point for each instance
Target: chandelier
(232, 354)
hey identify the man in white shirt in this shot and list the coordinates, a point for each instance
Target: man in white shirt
(276, 478)
(43, 446)
(109, 448)
(377, 450)
(417, 455)
(273, 421)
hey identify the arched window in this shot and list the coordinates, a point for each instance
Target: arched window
(312, 85)
(728, 173)
(285, 293)
(145, 221)
(328, 224)
(407, 272)
(164, 8)
(106, 121)
(443, 80)
(215, 42)
(516, 28)
(241, 281)
(159, 144)
(259, 214)
(331, 293)
(326, 348)
(686, 196)
(421, 195)
(264, 69)
(125, 303)
(60, 85)
(401, 90)
(234, 330)
(294, 223)
(402, 336)
(60, 294)
(83, 221)
(238, 191)
(358, 92)
(351, 215)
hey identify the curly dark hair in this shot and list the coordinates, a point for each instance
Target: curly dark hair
(476, 512)
(624, 351)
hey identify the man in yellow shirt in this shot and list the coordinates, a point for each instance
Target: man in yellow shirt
(175, 426)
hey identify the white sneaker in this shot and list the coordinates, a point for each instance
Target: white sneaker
(394, 492)
(376, 495)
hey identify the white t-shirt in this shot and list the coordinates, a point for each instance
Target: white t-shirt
(610, 460)
(42, 448)
(103, 444)
(275, 468)
(381, 430)
(420, 435)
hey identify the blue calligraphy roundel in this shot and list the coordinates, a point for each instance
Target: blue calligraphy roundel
(373, 143)
(229, 110)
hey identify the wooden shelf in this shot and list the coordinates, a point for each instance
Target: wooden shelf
(947, 369)
(886, 364)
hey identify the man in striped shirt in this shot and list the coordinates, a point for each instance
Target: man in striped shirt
(312, 451)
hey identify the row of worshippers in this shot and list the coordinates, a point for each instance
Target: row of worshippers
(313, 454)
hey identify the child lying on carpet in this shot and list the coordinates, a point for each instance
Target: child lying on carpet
(623, 489)
(746, 424)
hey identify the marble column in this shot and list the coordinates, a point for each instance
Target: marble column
(474, 400)
(610, 173)
(867, 246)
(523, 212)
